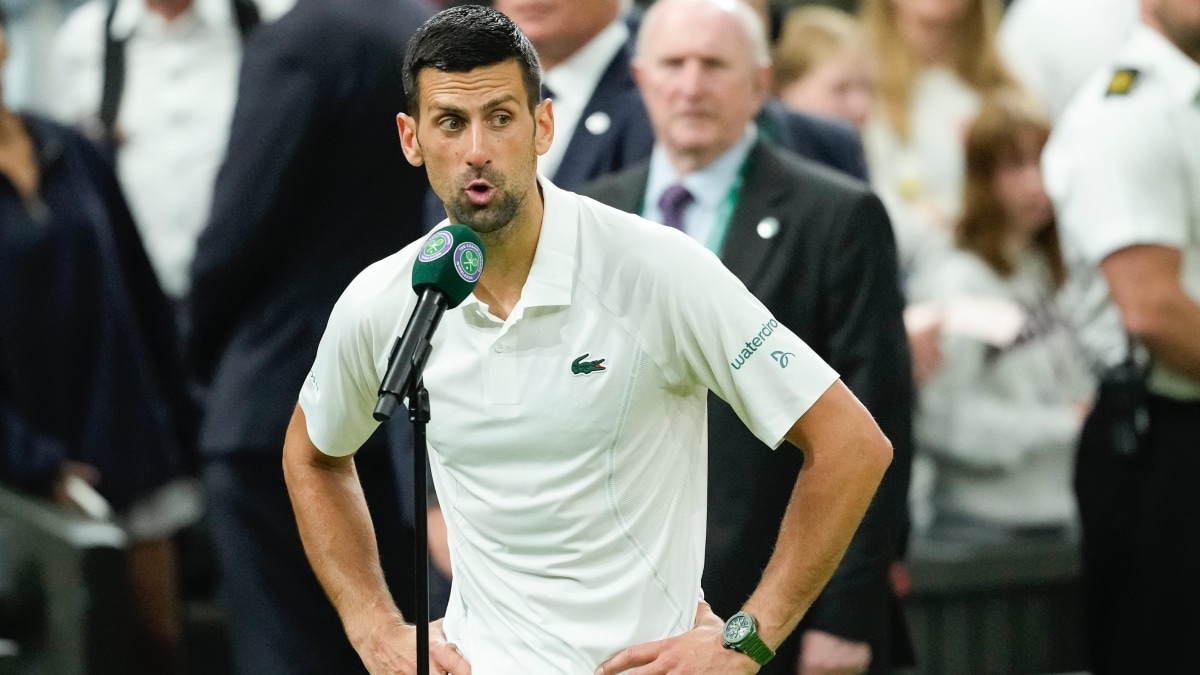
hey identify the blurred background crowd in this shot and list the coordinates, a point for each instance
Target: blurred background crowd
(187, 185)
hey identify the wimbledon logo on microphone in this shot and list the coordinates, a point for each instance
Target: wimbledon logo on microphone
(437, 245)
(468, 260)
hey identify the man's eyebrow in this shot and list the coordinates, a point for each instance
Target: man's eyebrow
(439, 107)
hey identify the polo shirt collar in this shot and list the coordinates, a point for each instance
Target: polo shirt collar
(1179, 73)
(552, 275)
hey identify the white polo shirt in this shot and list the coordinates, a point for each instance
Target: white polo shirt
(1124, 169)
(569, 443)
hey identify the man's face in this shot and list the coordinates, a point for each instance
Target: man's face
(479, 142)
(557, 28)
(699, 79)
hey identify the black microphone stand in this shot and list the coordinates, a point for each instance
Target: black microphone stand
(418, 414)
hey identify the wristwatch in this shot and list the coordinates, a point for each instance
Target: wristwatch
(741, 633)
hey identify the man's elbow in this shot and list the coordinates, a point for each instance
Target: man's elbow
(877, 452)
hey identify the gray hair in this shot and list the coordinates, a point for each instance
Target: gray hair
(752, 25)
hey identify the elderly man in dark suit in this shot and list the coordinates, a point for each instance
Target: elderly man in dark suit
(817, 248)
(313, 189)
(601, 124)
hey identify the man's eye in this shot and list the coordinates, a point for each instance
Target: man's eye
(450, 124)
(501, 119)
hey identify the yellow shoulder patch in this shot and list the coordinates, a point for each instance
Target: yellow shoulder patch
(1122, 82)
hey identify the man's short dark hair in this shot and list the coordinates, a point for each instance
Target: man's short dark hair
(461, 39)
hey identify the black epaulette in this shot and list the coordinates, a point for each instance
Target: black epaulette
(1122, 82)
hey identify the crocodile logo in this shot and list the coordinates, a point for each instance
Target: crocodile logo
(581, 367)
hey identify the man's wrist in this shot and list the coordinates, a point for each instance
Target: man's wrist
(364, 627)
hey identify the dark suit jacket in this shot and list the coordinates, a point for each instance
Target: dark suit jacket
(829, 275)
(628, 138)
(313, 189)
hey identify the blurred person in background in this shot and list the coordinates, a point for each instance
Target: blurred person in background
(600, 122)
(1053, 46)
(92, 391)
(815, 247)
(822, 65)
(313, 189)
(935, 59)
(1000, 417)
(1122, 167)
(154, 82)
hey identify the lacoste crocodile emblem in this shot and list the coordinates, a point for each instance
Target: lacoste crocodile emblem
(581, 367)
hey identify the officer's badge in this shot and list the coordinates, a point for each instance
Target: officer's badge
(1122, 82)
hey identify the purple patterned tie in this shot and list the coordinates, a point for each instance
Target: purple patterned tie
(672, 204)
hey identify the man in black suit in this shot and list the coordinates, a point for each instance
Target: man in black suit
(600, 123)
(816, 248)
(313, 189)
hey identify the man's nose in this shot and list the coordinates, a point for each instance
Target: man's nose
(477, 151)
(692, 78)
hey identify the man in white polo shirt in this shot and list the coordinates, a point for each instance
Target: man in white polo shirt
(1123, 169)
(569, 402)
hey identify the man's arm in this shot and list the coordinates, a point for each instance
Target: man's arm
(339, 539)
(1144, 281)
(845, 457)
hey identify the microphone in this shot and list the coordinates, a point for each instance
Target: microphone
(447, 268)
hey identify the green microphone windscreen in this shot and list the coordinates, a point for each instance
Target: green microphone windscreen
(450, 261)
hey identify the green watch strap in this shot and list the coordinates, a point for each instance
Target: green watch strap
(749, 644)
(755, 648)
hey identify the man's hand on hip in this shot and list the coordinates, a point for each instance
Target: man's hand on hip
(392, 650)
(699, 651)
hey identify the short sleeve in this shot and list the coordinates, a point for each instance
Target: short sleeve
(730, 343)
(339, 394)
(1117, 180)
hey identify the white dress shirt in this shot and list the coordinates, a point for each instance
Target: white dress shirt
(572, 83)
(710, 188)
(180, 87)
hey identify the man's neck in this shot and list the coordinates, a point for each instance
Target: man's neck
(1190, 47)
(510, 253)
(688, 163)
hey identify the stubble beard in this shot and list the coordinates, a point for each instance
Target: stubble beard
(490, 218)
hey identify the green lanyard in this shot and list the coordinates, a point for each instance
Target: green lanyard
(716, 238)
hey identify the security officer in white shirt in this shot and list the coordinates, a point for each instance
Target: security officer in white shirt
(1123, 168)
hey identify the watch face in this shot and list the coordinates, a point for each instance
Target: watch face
(737, 628)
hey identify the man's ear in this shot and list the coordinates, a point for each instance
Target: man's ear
(543, 119)
(407, 125)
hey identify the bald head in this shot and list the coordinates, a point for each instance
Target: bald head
(750, 21)
(704, 71)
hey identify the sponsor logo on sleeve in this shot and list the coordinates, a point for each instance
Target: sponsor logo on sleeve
(781, 358)
(753, 344)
